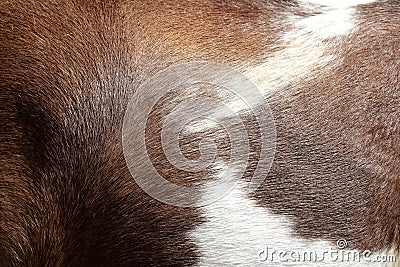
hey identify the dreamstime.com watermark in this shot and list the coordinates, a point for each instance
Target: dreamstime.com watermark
(332, 255)
(220, 110)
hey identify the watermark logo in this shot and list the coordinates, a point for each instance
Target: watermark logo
(332, 255)
(220, 111)
(341, 244)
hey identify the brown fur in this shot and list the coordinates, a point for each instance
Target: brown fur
(67, 71)
(337, 163)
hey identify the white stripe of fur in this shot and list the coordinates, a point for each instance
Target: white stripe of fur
(303, 50)
(238, 229)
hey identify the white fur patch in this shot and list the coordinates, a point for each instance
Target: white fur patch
(330, 23)
(304, 50)
(238, 230)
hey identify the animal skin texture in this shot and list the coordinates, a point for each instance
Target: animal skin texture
(79, 79)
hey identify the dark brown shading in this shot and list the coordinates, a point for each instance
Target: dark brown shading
(67, 71)
(66, 195)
